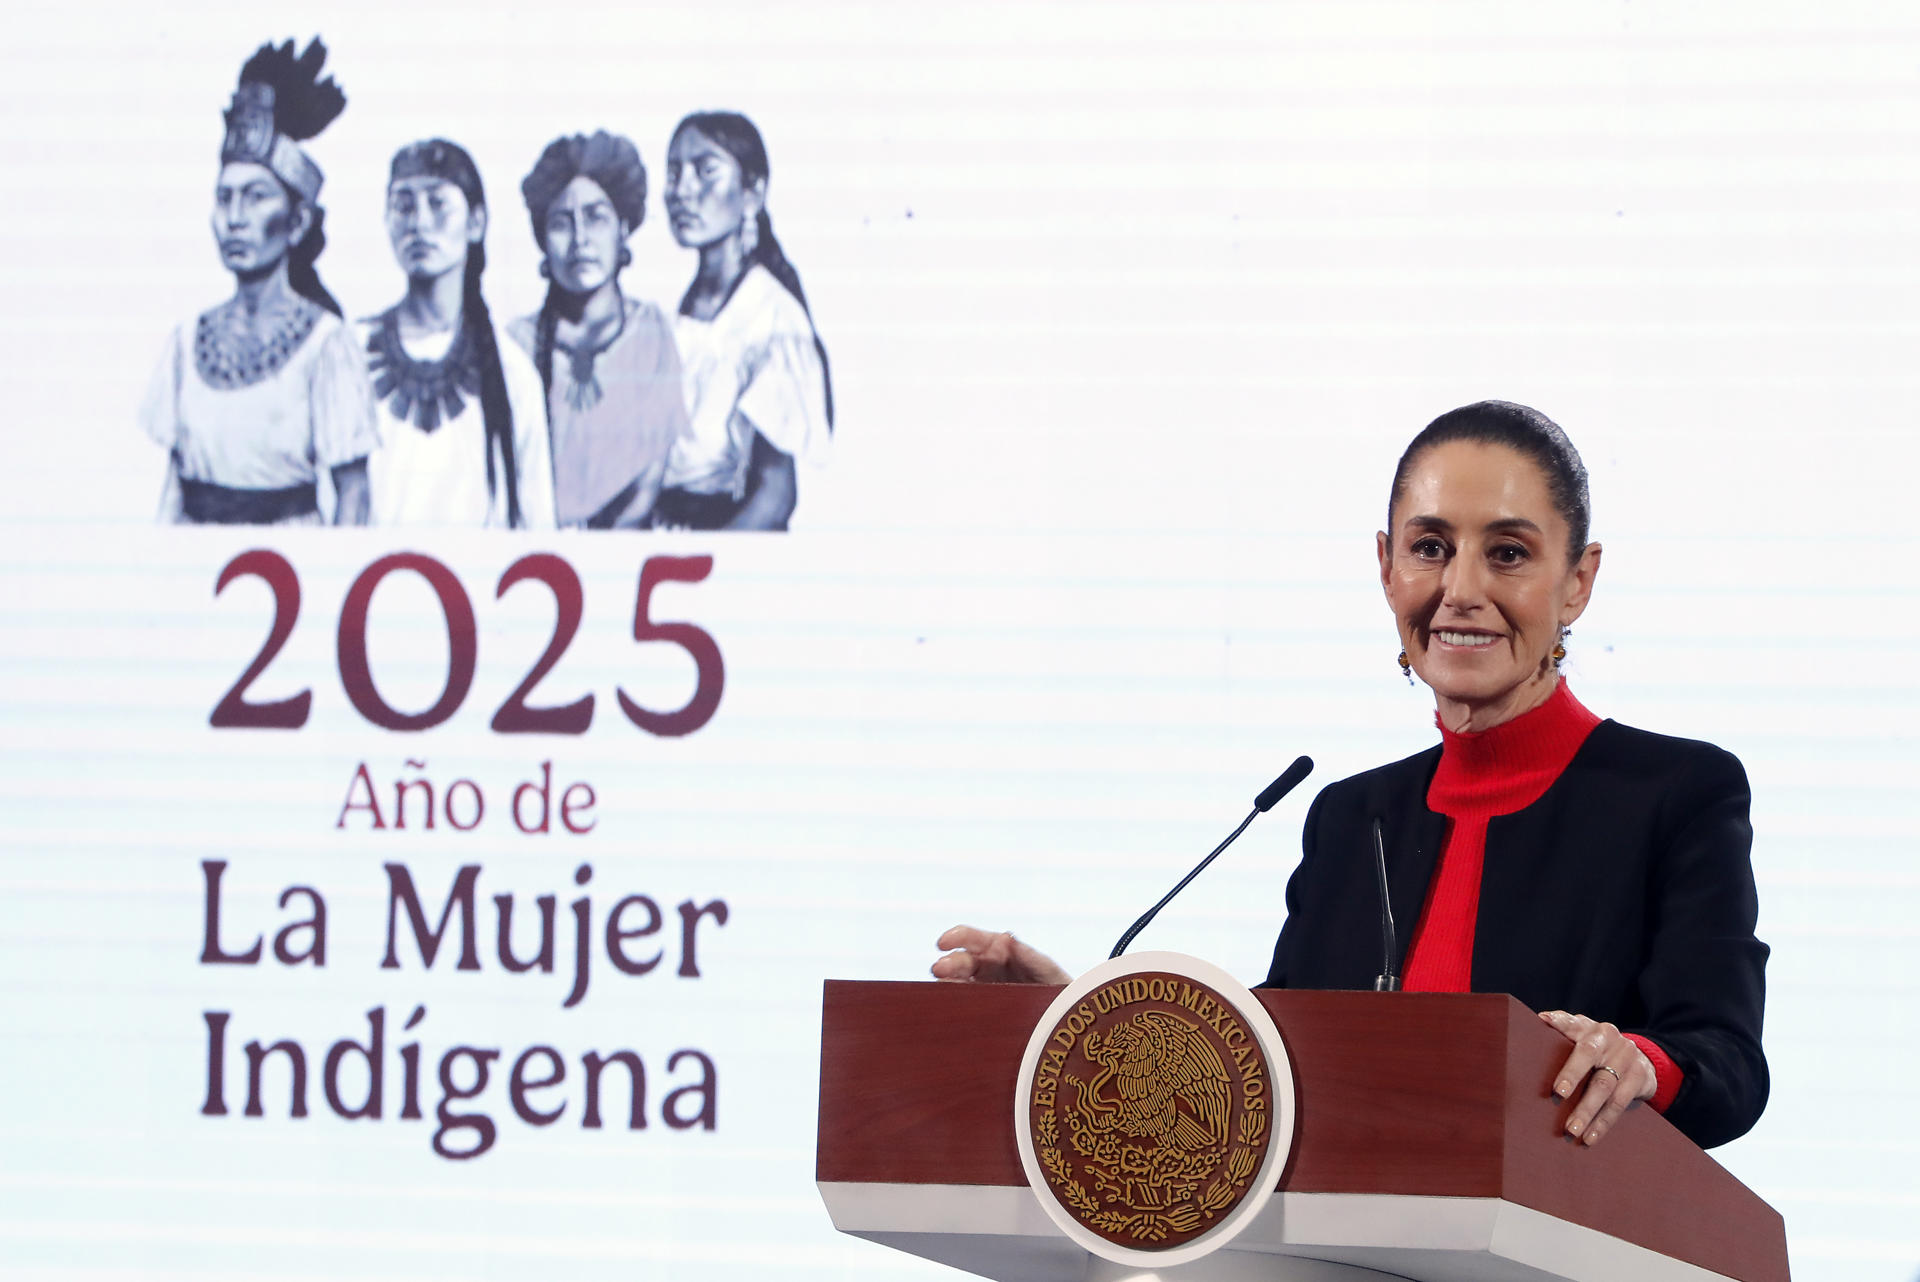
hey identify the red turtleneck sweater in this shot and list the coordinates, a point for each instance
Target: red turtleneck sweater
(1496, 772)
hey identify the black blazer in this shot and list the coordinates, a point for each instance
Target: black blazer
(1624, 894)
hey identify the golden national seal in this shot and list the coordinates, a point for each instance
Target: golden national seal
(1151, 1110)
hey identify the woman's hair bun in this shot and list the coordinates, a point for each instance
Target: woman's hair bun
(609, 159)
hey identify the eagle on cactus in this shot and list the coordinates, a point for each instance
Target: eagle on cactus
(1171, 1084)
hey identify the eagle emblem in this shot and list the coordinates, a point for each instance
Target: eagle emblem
(1150, 1110)
(1172, 1087)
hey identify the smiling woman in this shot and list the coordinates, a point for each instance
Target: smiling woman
(1486, 561)
(1600, 874)
(252, 396)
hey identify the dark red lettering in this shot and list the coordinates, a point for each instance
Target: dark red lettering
(514, 716)
(234, 711)
(462, 643)
(710, 671)
(518, 1085)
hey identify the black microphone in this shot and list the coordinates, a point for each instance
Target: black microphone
(1386, 981)
(1288, 780)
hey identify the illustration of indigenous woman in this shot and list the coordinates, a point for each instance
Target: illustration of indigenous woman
(462, 413)
(612, 375)
(251, 398)
(758, 390)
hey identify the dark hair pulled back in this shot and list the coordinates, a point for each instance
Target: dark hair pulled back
(1527, 432)
(734, 134)
(612, 162)
(450, 162)
(302, 272)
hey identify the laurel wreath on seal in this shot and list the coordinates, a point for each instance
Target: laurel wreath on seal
(1151, 1226)
(1059, 1170)
(1240, 1164)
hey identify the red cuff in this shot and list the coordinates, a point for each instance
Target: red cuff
(1667, 1075)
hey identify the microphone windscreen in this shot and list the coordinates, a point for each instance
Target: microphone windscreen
(1288, 780)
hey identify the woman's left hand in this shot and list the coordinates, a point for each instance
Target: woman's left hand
(1615, 1071)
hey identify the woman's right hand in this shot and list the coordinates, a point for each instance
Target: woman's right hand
(990, 958)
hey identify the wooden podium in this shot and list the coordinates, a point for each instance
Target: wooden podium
(1428, 1146)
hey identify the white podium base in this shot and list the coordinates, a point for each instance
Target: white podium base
(1000, 1232)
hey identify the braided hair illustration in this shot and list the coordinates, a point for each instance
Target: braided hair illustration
(450, 162)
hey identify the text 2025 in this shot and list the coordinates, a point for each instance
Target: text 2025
(515, 715)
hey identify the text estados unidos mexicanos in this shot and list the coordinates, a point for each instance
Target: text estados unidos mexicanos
(1240, 1047)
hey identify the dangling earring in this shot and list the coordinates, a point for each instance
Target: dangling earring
(749, 236)
(545, 273)
(1560, 648)
(1406, 665)
(626, 256)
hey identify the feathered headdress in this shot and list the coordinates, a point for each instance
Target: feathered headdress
(282, 102)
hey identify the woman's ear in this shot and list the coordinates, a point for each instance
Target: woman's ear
(300, 226)
(755, 197)
(1580, 589)
(476, 224)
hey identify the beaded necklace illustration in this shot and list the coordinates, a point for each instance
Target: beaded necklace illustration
(583, 390)
(228, 360)
(428, 392)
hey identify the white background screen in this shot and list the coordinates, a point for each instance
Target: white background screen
(1130, 308)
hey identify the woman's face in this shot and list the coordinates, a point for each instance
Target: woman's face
(430, 225)
(583, 237)
(1475, 569)
(707, 197)
(255, 220)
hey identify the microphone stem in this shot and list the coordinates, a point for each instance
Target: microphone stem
(1199, 868)
(1387, 981)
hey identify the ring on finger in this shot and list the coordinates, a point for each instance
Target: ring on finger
(1605, 1068)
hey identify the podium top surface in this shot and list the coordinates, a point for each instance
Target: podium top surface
(1426, 1094)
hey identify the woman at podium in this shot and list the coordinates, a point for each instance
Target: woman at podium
(1599, 873)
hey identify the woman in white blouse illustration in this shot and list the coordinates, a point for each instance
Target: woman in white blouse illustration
(462, 412)
(757, 386)
(253, 397)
